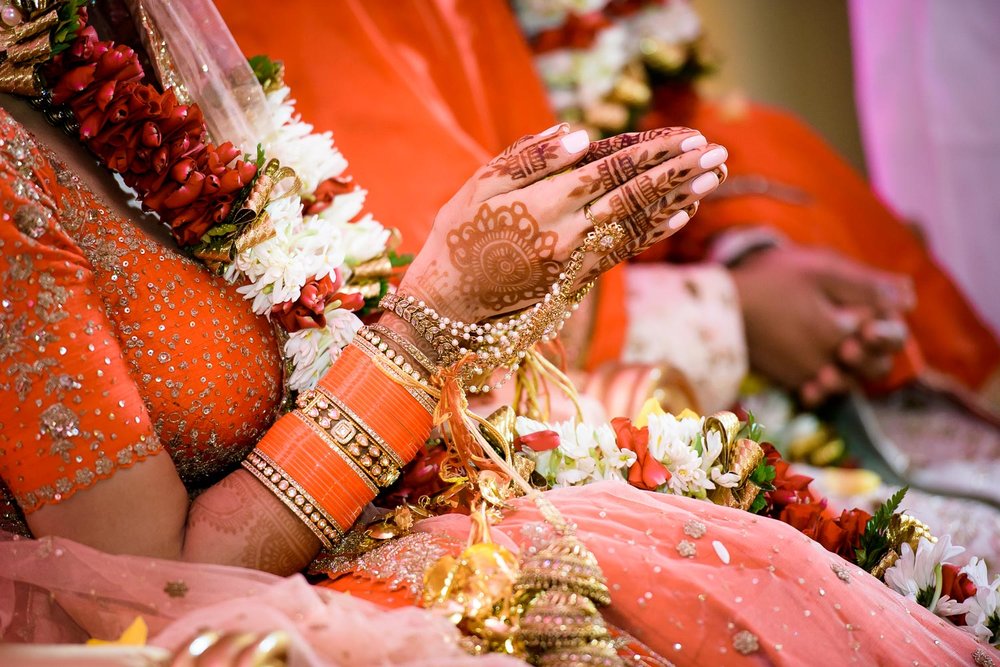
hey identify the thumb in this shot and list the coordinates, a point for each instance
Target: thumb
(851, 283)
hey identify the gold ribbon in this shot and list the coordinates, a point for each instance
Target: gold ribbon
(19, 80)
(727, 424)
(740, 456)
(251, 220)
(27, 29)
(256, 223)
(21, 48)
(373, 270)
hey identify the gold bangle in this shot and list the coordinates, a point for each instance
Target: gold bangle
(294, 497)
(410, 348)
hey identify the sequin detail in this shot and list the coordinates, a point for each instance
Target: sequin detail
(112, 343)
(399, 563)
(745, 642)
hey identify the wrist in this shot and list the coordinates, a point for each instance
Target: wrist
(403, 330)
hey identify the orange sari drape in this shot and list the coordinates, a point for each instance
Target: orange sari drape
(422, 92)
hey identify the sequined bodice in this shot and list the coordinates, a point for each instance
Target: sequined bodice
(206, 368)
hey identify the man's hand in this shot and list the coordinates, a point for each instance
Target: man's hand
(815, 320)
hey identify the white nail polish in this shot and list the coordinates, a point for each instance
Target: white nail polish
(678, 220)
(889, 329)
(704, 183)
(552, 130)
(694, 142)
(713, 158)
(847, 322)
(575, 142)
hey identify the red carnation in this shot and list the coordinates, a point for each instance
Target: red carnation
(307, 312)
(958, 586)
(327, 191)
(841, 535)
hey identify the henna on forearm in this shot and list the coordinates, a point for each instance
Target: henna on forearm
(239, 522)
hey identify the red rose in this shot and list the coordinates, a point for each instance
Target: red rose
(841, 535)
(646, 473)
(539, 441)
(956, 584)
(327, 191)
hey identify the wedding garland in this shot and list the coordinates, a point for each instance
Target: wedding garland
(678, 455)
(286, 224)
(721, 459)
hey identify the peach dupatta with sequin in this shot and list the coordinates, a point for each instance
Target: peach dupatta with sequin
(698, 583)
(179, 600)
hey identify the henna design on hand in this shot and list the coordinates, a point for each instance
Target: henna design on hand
(274, 540)
(521, 164)
(605, 147)
(611, 172)
(503, 258)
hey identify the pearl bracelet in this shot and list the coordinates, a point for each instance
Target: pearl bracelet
(500, 343)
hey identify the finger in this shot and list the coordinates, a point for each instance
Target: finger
(851, 283)
(531, 161)
(589, 181)
(661, 191)
(851, 352)
(605, 147)
(831, 380)
(886, 335)
(864, 361)
(811, 394)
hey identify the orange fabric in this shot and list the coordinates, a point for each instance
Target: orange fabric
(842, 214)
(305, 457)
(419, 94)
(112, 346)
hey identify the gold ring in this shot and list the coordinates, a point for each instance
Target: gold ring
(602, 238)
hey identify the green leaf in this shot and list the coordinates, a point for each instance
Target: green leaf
(763, 475)
(874, 541)
(759, 503)
(265, 69)
(751, 429)
(397, 260)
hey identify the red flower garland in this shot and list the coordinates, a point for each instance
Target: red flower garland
(159, 147)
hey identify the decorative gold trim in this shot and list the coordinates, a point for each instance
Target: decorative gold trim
(332, 444)
(290, 493)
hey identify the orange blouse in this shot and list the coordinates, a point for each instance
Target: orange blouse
(112, 346)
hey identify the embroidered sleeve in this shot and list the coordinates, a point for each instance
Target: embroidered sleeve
(71, 413)
(688, 316)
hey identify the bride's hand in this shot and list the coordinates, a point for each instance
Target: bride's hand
(500, 243)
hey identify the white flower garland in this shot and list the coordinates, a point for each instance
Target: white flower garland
(307, 246)
(589, 453)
